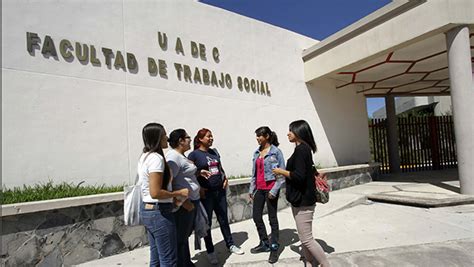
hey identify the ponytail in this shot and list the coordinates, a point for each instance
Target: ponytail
(274, 139)
(266, 132)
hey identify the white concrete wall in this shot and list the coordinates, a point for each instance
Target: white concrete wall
(444, 106)
(342, 125)
(69, 121)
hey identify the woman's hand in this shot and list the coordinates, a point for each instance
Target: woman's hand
(276, 171)
(270, 196)
(205, 173)
(178, 201)
(225, 184)
(188, 205)
(279, 171)
(251, 196)
(182, 192)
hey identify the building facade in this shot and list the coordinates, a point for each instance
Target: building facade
(81, 78)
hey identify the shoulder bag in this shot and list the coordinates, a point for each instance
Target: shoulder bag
(322, 187)
(132, 200)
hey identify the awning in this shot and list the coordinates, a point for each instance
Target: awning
(399, 50)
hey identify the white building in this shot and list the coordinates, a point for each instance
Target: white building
(70, 120)
(407, 48)
(68, 115)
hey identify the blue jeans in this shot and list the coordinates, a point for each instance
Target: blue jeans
(160, 226)
(216, 201)
(184, 227)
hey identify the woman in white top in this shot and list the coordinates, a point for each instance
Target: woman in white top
(157, 216)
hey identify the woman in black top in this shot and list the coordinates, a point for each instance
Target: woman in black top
(300, 189)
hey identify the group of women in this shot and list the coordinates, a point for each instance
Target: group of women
(174, 187)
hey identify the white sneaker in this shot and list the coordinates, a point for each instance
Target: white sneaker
(236, 250)
(212, 257)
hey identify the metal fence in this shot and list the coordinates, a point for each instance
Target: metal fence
(424, 143)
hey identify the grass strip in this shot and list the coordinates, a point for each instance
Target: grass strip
(49, 190)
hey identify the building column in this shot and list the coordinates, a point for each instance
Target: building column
(392, 134)
(462, 98)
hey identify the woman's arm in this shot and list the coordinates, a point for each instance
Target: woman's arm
(174, 167)
(302, 163)
(204, 173)
(156, 190)
(281, 159)
(281, 163)
(280, 171)
(225, 182)
(301, 157)
(279, 181)
(253, 179)
(188, 205)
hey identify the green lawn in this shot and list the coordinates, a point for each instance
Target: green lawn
(49, 190)
(45, 191)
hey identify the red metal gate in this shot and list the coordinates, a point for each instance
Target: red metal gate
(425, 143)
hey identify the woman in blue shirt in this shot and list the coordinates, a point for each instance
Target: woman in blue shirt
(214, 190)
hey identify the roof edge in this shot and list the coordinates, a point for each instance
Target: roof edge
(374, 19)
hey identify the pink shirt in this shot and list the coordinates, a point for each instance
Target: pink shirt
(261, 183)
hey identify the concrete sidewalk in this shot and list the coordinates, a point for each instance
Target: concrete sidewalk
(449, 253)
(350, 223)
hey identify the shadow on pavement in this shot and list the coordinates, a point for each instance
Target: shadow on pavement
(289, 236)
(327, 248)
(438, 176)
(449, 187)
(221, 250)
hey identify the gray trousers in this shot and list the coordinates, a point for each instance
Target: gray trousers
(304, 226)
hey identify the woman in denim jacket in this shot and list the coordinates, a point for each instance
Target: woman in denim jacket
(264, 188)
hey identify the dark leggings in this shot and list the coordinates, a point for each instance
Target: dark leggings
(259, 200)
(184, 228)
(216, 200)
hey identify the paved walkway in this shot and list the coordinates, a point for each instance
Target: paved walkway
(354, 230)
(449, 253)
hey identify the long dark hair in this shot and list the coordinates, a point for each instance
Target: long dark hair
(175, 136)
(200, 134)
(269, 134)
(152, 135)
(302, 130)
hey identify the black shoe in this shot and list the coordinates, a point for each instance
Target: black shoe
(273, 256)
(274, 246)
(262, 247)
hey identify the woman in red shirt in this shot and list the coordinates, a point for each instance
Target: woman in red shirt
(264, 188)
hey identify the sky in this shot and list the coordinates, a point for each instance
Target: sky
(317, 19)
